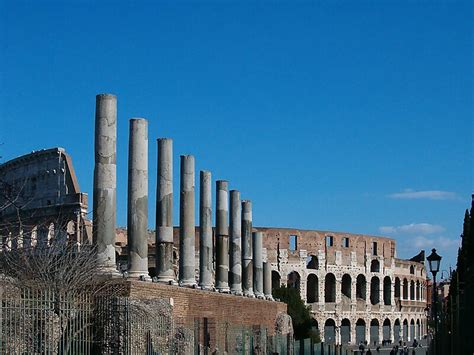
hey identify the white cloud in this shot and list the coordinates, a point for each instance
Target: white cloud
(413, 228)
(409, 194)
(421, 242)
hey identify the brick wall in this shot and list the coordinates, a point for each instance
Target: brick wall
(191, 304)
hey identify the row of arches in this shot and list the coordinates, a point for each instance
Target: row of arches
(375, 290)
(374, 332)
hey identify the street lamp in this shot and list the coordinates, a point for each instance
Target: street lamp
(433, 261)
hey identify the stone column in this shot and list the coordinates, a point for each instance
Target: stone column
(137, 206)
(187, 232)
(247, 265)
(205, 231)
(104, 202)
(267, 281)
(164, 212)
(235, 243)
(257, 264)
(222, 237)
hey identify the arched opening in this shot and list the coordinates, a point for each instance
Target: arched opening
(312, 289)
(374, 331)
(312, 262)
(276, 279)
(397, 287)
(293, 280)
(405, 330)
(345, 331)
(412, 270)
(405, 289)
(418, 290)
(346, 285)
(330, 288)
(387, 291)
(412, 329)
(375, 266)
(418, 329)
(361, 287)
(330, 331)
(396, 330)
(386, 329)
(314, 327)
(375, 290)
(412, 290)
(360, 331)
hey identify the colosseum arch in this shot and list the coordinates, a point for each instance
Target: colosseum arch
(397, 287)
(276, 279)
(330, 288)
(375, 266)
(312, 289)
(405, 330)
(386, 329)
(345, 331)
(360, 330)
(346, 285)
(412, 290)
(375, 290)
(412, 270)
(374, 331)
(361, 287)
(417, 290)
(418, 330)
(312, 262)
(330, 331)
(387, 290)
(294, 280)
(405, 289)
(396, 330)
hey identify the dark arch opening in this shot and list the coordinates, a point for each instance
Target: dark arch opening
(386, 329)
(375, 290)
(387, 291)
(374, 331)
(312, 262)
(330, 331)
(360, 330)
(330, 288)
(412, 290)
(361, 287)
(405, 289)
(396, 330)
(405, 330)
(312, 289)
(293, 280)
(418, 290)
(346, 285)
(397, 287)
(375, 266)
(276, 279)
(345, 331)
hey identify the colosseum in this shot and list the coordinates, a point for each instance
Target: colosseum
(356, 287)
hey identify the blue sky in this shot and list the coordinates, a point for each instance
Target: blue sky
(346, 116)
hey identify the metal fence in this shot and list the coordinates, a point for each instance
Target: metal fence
(48, 322)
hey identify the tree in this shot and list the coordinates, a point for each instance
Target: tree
(298, 312)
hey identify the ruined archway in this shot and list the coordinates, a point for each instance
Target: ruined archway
(412, 290)
(396, 330)
(312, 262)
(361, 287)
(375, 290)
(330, 288)
(345, 331)
(387, 291)
(412, 329)
(312, 289)
(330, 331)
(276, 279)
(360, 330)
(397, 287)
(294, 280)
(346, 286)
(405, 330)
(386, 329)
(374, 331)
(418, 329)
(405, 289)
(375, 266)
(417, 290)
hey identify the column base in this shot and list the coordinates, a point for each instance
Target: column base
(236, 292)
(223, 289)
(259, 295)
(269, 298)
(249, 294)
(207, 287)
(187, 283)
(140, 275)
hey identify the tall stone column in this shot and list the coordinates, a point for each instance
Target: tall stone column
(267, 281)
(222, 237)
(247, 265)
(235, 243)
(105, 200)
(164, 212)
(137, 206)
(186, 223)
(257, 264)
(205, 231)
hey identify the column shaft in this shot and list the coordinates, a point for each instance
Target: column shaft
(186, 223)
(235, 243)
(257, 264)
(222, 237)
(104, 201)
(164, 212)
(267, 281)
(247, 266)
(205, 231)
(137, 206)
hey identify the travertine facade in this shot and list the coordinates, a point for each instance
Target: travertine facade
(356, 287)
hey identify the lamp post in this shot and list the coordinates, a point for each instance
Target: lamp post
(433, 261)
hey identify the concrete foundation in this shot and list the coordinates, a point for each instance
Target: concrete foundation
(222, 237)
(247, 265)
(235, 243)
(205, 241)
(104, 204)
(137, 207)
(164, 212)
(186, 223)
